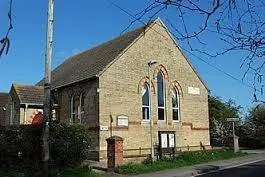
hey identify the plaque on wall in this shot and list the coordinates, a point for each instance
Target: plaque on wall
(122, 120)
(104, 127)
(194, 90)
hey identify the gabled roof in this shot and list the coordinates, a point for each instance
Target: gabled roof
(3, 99)
(90, 63)
(184, 55)
(29, 94)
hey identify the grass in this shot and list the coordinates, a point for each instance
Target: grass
(63, 172)
(183, 159)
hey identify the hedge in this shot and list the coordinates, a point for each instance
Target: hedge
(21, 146)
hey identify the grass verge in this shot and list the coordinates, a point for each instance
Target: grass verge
(183, 159)
(63, 172)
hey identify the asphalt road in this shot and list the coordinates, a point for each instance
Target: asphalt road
(251, 170)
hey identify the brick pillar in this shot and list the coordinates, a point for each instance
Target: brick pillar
(114, 151)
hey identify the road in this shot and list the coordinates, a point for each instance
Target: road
(251, 170)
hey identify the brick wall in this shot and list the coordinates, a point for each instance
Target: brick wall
(89, 90)
(120, 94)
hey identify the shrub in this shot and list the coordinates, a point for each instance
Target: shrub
(21, 146)
(69, 144)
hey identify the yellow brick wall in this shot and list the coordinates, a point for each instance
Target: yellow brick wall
(119, 94)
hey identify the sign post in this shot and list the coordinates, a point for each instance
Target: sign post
(233, 120)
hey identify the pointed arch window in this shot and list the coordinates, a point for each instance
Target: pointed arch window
(175, 104)
(81, 108)
(72, 110)
(145, 101)
(161, 96)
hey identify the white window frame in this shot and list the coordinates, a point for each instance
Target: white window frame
(176, 108)
(164, 99)
(72, 113)
(145, 106)
(80, 111)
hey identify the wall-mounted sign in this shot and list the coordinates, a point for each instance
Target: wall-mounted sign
(194, 90)
(122, 120)
(104, 127)
(166, 139)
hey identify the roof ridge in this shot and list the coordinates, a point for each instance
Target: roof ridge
(105, 42)
(98, 45)
(90, 62)
(26, 85)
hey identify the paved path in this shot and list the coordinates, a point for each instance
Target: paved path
(207, 167)
(251, 170)
(256, 157)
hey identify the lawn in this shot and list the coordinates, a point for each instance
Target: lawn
(183, 159)
(65, 172)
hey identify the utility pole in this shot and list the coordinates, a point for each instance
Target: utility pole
(150, 64)
(47, 89)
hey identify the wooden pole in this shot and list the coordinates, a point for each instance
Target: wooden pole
(47, 89)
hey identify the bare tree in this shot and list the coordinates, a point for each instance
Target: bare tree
(239, 25)
(5, 41)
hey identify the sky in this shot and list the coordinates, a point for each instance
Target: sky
(82, 24)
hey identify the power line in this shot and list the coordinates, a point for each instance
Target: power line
(218, 69)
(196, 57)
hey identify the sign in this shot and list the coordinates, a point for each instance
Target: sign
(122, 120)
(164, 140)
(104, 127)
(171, 138)
(232, 119)
(194, 90)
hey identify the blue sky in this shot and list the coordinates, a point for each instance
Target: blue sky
(82, 24)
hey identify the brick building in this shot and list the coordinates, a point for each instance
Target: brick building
(3, 106)
(111, 80)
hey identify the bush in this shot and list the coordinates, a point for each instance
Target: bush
(69, 144)
(21, 146)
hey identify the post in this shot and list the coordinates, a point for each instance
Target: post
(233, 124)
(114, 151)
(25, 113)
(47, 88)
(235, 139)
(236, 148)
(150, 110)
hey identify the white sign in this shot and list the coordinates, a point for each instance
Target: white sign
(104, 127)
(122, 120)
(194, 90)
(164, 140)
(233, 119)
(171, 138)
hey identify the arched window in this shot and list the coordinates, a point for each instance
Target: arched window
(175, 104)
(145, 101)
(161, 96)
(72, 110)
(81, 109)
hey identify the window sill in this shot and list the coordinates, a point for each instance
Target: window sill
(161, 121)
(145, 122)
(176, 121)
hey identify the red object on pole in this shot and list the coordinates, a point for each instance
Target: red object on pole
(38, 119)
